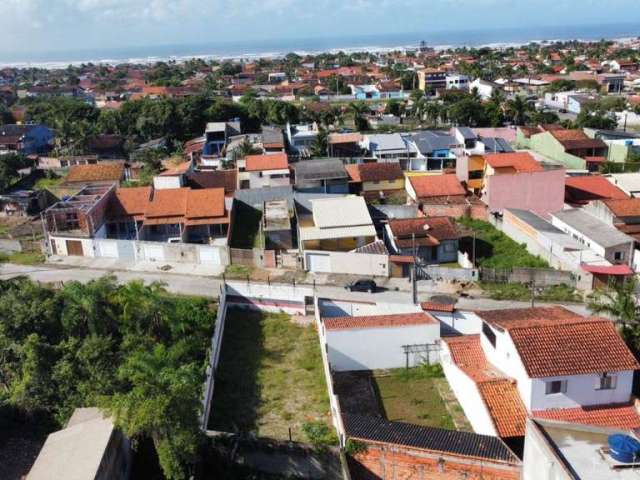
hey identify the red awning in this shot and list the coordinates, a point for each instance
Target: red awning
(608, 269)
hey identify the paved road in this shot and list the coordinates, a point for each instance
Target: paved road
(210, 287)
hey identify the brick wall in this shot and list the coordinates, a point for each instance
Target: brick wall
(477, 211)
(388, 462)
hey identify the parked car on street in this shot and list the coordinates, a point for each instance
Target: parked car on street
(362, 285)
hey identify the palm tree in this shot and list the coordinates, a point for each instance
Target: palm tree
(518, 108)
(320, 144)
(359, 109)
(432, 112)
(620, 303)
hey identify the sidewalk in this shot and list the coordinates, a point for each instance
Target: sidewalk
(111, 264)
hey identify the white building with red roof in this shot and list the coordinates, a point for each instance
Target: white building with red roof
(373, 336)
(541, 362)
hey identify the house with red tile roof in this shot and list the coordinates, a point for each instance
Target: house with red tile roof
(517, 180)
(569, 147)
(377, 180)
(435, 189)
(581, 190)
(268, 170)
(376, 336)
(432, 240)
(541, 362)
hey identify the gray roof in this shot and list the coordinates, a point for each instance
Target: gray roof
(256, 197)
(386, 142)
(272, 134)
(496, 144)
(319, 169)
(601, 233)
(393, 211)
(428, 141)
(467, 133)
(546, 229)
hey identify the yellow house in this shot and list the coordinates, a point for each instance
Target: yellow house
(378, 179)
(476, 169)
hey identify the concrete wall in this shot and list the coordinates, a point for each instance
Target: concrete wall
(353, 263)
(214, 358)
(540, 462)
(272, 298)
(135, 251)
(10, 246)
(264, 179)
(458, 322)
(466, 391)
(167, 182)
(540, 192)
(379, 348)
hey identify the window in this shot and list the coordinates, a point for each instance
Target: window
(556, 386)
(618, 256)
(486, 329)
(476, 174)
(607, 382)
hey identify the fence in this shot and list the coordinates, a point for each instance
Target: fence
(541, 277)
(253, 257)
(334, 401)
(435, 272)
(269, 297)
(135, 251)
(214, 358)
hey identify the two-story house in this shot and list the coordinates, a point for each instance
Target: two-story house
(25, 139)
(541, 362)
(432, 240)
(377, 180)
(270, 170)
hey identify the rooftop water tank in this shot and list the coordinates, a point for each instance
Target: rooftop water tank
(624, 448)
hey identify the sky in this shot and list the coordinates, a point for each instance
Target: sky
(65, 25)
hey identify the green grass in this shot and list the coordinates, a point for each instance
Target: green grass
(246, 228)
(237, 271)
(496, 250)
(270, 377)
(22, 258)
(412, 396)
(48, 183)
(521, 292)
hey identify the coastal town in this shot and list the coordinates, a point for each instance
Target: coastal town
(410, 264)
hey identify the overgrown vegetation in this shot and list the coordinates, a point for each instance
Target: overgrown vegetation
(413, 396)
(134, 350)
(270, 378)
(522, 292)
(495, 250)
(22, 258)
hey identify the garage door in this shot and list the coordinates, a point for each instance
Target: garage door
(209, 256)
(74, 247)
(108, 249)
(154, 252)
(318, 263)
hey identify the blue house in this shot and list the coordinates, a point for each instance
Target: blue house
(435, 151)
(25, 139)
(365, 92)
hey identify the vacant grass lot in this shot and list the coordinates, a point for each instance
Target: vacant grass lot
(413, 397)
(495, 250)
(270, 377)
(22, 258)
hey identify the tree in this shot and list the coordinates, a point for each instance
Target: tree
(518, 108)
(468, 112)
(320, 144)
(161, 404)
(593, 116)
(393, 107)
(359, 109)
(620, 304)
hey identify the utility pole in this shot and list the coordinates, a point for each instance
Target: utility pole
(533, 293)
(415, 271)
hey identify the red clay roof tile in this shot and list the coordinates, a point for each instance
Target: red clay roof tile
(274, 161)
(622, 416)
(379, 321)
(437, 186)
(521, 162)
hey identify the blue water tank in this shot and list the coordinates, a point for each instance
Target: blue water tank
(624, 448)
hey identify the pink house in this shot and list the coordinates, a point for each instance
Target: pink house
(517, 180)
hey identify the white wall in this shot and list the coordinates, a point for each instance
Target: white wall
(354, 263)
(271, 298)
(465, 323)
(165, 182)
(540, 462)
(467, 394)
(581, 391)
(378, 348)
(505, 358)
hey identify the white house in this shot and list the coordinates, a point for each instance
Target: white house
(269, 170)
(485, 89)
(373, 342)
(458, 81)
(605, 240)
(545, 362)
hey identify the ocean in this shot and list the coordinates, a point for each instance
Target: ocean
(279, 47)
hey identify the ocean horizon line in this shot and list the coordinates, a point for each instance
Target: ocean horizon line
(278, 48)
